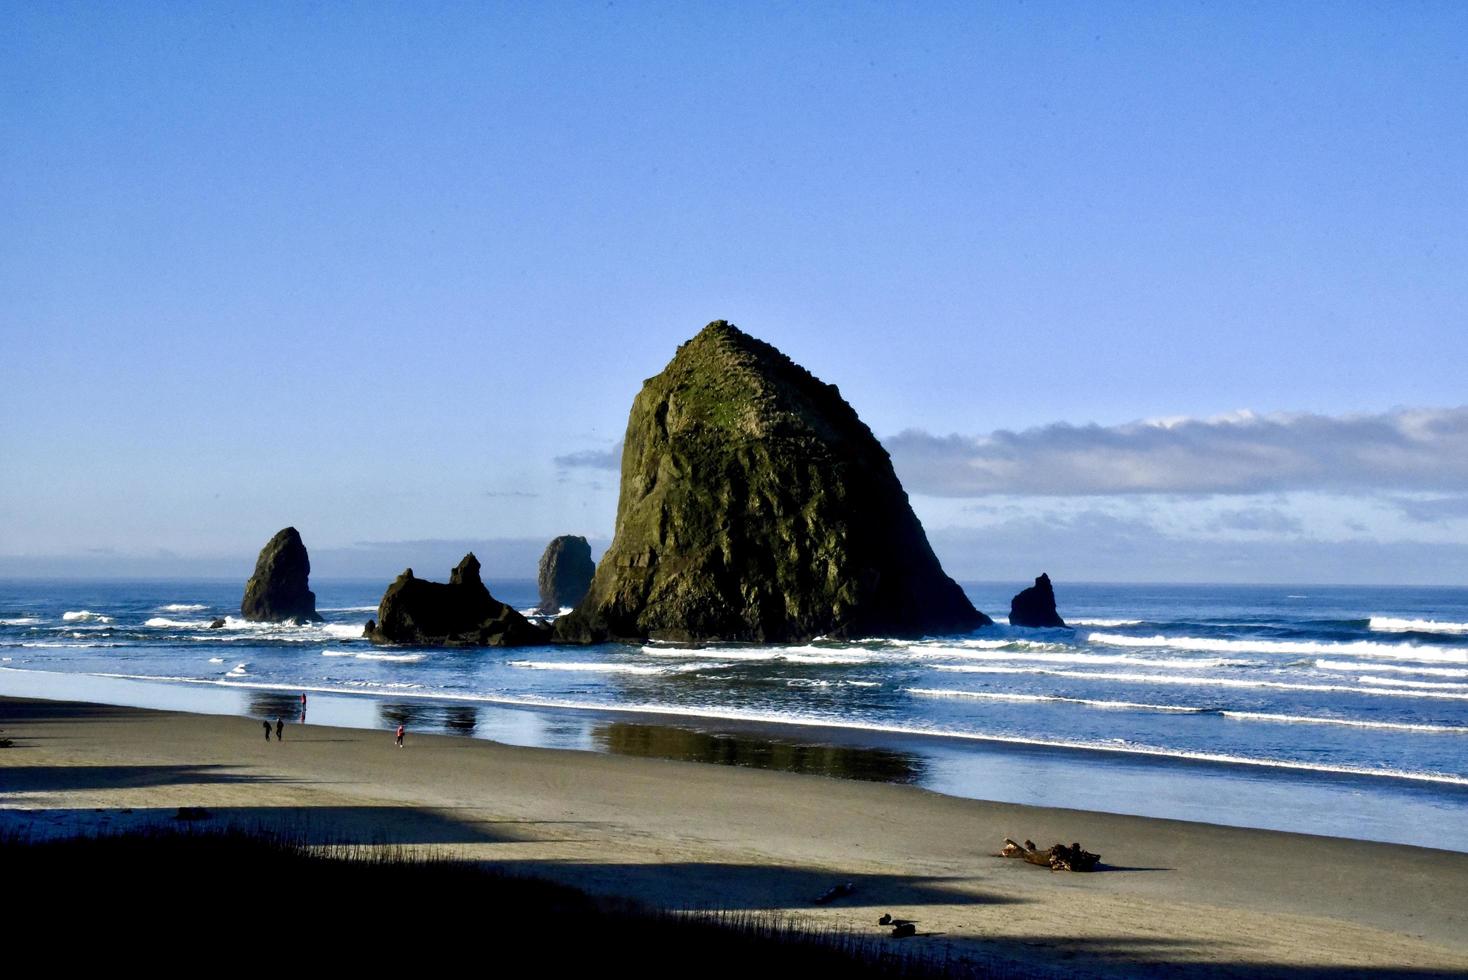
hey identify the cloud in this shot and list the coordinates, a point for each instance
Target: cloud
(595, 459)
(1266, 519)
(1433, 510)
(1401, 450)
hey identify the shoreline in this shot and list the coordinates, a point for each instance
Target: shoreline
(1179, 896)
(1319, 802)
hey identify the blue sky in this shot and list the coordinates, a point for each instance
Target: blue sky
(371, 270)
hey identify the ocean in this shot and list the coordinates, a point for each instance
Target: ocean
(1330, 710)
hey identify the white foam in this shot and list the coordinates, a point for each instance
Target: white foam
(1193, 681)
(84, 616)
(20, 621)
(183, 607)
(1029, 698)
(1169, 663)
(1393, 668)
(798, 655)
(1388, 624)
(1398, 682)
(238, 670)
(400, 658)
(1360, 648)
(1189, 709)
(349, 609)
(343, 631)
(1395, 726)
(216, 660)
(161, 622)
(1105, 622)
(600, 668)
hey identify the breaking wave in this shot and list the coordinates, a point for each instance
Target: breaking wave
(1358, 648)
(1389, 624)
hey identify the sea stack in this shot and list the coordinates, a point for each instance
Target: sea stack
(462, 613)
(1035, 606)
(278, 592)
(756, 506)
(565, 575)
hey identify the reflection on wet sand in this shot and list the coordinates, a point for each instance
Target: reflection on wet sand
(274, 704)
(723, 748)
(452, 719)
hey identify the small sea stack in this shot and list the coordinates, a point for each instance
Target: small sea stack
(1035, 606)
(461, 613)
(565, 573)
(279, 591)
(756, 506)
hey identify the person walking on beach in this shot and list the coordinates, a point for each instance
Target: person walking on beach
(399, 739)
(279, 730)
(267, 729)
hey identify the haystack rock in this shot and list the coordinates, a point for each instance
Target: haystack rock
(278, 592)
(756, 506)
(565, 575)
(462, 613)
(1035, 606)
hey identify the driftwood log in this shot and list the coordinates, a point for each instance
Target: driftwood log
(1058, 857)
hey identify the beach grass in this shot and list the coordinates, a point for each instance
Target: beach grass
(187, 875)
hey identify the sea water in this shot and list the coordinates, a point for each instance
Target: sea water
(1330, 710)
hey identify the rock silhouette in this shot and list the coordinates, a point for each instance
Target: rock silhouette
(1035, 606)
(278, 592)
(565, 573)
(756, 506)
(417, 612)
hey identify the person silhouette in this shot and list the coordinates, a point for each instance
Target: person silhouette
(267, 729)
(279, 730)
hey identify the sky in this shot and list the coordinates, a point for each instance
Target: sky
(1131, 292)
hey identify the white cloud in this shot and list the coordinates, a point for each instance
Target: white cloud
(1244, 453)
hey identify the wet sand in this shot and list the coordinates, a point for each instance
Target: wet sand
(1173, 897)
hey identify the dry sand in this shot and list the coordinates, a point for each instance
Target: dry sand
(1176, 897)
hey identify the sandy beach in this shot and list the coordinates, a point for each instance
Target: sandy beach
(1174, 896)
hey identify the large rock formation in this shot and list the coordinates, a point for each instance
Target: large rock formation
(756, 506)
(1035, 606)
(462, 613)
(278, 591)
(565, 575)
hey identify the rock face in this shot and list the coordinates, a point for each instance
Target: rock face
(1035, 606)
(756, 506)
(462, 613)
(278, 591)
(566, 569)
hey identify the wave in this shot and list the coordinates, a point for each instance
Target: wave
(343, 631)
(1388, 624)
(349, 609)
(1359, 648)
(996, 696)
(238, 670)
(1393, 668)
(20, 621)
(402, 658)
(160, 622)
(598, 668)
(1195, 681)
(810, 721)
(1168, 663)
(183, 607)
(216, 660)
(796, 655)
(1196, 710)
(1397, 682)
(1105, 622)
(84, 616)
